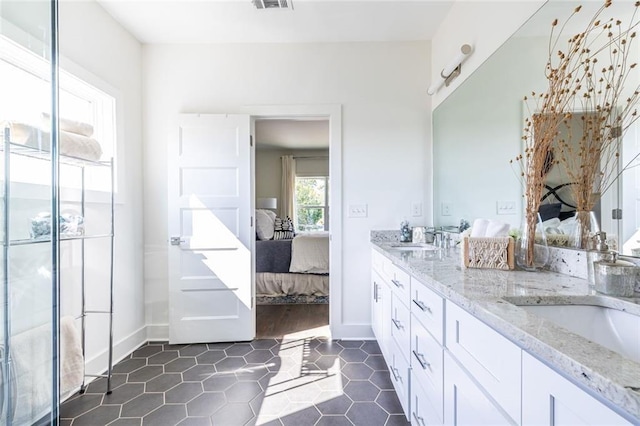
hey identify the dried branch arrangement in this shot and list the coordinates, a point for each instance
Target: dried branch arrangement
(589, 79)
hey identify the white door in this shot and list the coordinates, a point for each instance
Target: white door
(210, 230)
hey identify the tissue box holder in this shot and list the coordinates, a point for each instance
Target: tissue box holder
(489, 253)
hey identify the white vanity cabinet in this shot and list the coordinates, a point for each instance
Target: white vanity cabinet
(550, 399)
(449, 367)
(391, 321)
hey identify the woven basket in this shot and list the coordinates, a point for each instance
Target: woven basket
(489, 253)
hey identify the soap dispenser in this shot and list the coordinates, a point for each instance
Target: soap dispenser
(615, 277)
(601, 253)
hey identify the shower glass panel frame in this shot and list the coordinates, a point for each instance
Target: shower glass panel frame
(29, 263)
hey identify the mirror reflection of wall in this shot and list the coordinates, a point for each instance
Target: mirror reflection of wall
(478, 129)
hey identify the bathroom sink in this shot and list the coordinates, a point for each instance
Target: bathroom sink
(617, 330)
(413, 246)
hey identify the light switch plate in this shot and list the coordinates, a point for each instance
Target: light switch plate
(416, 209)
(357, 210)
(506, 207)
(447, 209)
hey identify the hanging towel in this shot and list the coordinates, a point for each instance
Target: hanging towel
(32, 359)
(71, 360)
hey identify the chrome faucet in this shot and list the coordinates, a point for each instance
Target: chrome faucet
(438, 236)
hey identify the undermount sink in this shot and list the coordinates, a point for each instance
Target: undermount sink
(617, 330)
(413, 246)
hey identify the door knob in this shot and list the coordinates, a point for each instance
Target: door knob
(176, 241)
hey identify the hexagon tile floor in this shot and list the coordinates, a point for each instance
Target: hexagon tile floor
(265, 382)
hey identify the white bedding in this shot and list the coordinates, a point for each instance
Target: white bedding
(310, 253)
(280, 284)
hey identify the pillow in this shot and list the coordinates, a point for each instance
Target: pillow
(283, 229)
(264, 225)
(549, 211)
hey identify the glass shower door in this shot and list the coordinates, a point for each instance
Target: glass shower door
(28, 281)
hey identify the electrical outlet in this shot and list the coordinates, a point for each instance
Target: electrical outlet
(506, 207)
(357, 210)
(447, 209)
(416, 209)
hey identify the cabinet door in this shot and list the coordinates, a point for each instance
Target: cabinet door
(548, 398)
(376, 305)
(465, 403)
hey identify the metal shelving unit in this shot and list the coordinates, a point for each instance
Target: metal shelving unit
(9, 149)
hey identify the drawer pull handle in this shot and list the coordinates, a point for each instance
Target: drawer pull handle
(422, 306)
(397, 323)
(396, 374)
(419, 419)
(393, 371)
(421, 359)
(397, 283)
(375, 291)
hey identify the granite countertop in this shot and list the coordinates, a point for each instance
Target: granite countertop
(485, 293)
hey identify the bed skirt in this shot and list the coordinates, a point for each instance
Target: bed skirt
(281, 284)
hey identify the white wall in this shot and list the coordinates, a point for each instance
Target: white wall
(269, 169)
(93, 41)
(485, 25)
(381, 87)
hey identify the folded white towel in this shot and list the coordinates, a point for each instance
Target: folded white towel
(71, 360)
(497, 229)
(479, 228)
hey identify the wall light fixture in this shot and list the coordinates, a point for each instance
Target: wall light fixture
(451, 71)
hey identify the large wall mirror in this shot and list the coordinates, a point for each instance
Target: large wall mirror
(478, 129)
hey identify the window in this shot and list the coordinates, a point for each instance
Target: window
(312, 207)
(27, 95)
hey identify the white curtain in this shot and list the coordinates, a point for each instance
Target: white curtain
(288, 191)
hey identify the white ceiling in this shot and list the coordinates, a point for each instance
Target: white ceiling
(238, 21)
(292, 134)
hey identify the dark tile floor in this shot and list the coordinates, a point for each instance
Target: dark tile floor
(294, 382)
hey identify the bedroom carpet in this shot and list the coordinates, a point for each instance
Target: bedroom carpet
(292, 321)
(303, 382)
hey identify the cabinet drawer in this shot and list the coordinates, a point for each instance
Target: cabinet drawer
(400, 326)
(490, 358)
(400, 283)
(427, 362)
(550, 398)
(465, 403)
(426, 403)
(428, 308)
(399, 370)
(378, 262)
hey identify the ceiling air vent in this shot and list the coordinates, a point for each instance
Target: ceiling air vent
(272, 4)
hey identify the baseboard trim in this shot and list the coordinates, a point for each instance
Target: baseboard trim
(157, 332)
(160, 332)
(121, 349)
(352, 332)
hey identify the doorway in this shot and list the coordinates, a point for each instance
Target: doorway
(293, 220)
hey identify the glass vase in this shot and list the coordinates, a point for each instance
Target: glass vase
(532, 251)
(585, 227)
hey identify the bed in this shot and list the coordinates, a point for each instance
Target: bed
(294, 267)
